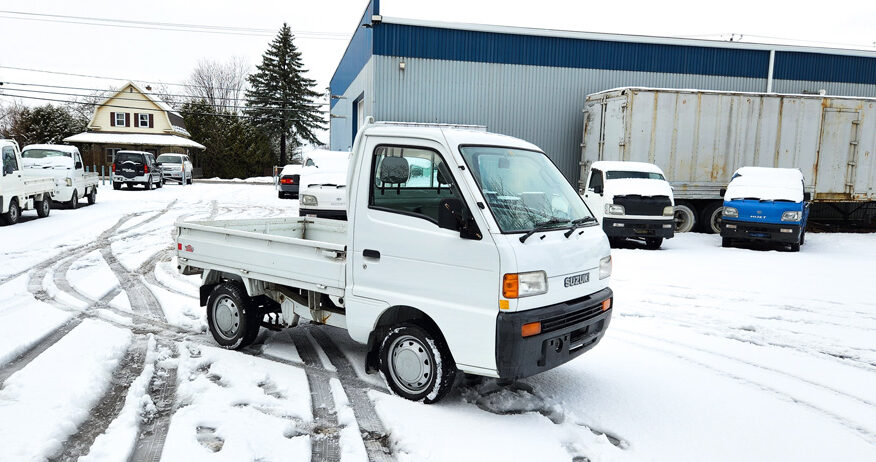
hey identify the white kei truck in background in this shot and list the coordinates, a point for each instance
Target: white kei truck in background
(489, 263)
(631, 200)
(64, 164)
(19, 189)
(325, 194)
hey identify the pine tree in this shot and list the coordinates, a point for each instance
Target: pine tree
(281, 99)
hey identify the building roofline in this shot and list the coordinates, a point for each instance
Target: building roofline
(739, 93)
(611, 37)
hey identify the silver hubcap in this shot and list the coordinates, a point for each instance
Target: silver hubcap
(683, 220)
(409, 364)
(715, 220)
(13, 213)
(226, 317)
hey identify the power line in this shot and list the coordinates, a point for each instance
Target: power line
(166, 26)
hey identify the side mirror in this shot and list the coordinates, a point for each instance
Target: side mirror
(78, 165)
(450, 216)
(722, 192)
(807, 196)
(394, 170)
(597, 190)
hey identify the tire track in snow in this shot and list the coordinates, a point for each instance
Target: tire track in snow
(37, 349)
(147, 269)
(109, 406)
(373, 433)
(324, 438)
(861, 431)
(162, 392)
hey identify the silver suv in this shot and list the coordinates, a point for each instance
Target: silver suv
(173, 165)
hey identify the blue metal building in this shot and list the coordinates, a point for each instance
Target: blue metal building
(532, 83)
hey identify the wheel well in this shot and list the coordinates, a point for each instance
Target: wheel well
(214, 279)
(392, 317)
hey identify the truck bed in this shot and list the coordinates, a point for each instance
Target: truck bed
(299, 252)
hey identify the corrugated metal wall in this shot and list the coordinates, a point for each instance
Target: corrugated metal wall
(831, 88)
(341, 129)
(542, 105)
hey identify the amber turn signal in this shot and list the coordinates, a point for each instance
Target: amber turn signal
(510, 287)
(528, 330)
(606, 304)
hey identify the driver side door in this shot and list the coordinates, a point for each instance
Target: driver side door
(11, 184)
(593, 195)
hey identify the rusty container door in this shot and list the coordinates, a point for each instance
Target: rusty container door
(836, 153)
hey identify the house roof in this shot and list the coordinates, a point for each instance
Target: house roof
(135, 139)
(149, 95)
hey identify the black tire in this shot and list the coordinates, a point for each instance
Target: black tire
(281, 195)
(726, 242)
(685, 217)
(117, 186)
(711, 218)
(92, 196)
(160, 183)
(795, 247)
(73, 203)
(233, 318)
(148, 184)
(190, 180)
(43, 207)
(410, 345)
(653, 243)
(12, 216)
(802, 236)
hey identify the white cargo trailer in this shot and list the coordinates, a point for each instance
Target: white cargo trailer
(699, 138)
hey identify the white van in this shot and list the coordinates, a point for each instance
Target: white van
(631, 200)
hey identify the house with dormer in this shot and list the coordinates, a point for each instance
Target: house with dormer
(134, 118)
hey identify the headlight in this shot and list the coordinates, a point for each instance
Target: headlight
(605, 267)
(793, 215)
(307, 199)
(69, 182)
(668, 211)
(730, 212)
(614, 209)
(517, 285)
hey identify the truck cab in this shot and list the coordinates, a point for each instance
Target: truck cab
(64, 164)
(21, 189)
(767, 205)
(464, 252)
(631, 200)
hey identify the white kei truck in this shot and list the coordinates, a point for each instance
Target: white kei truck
(20, 189)
(63, 164)
(489, 263)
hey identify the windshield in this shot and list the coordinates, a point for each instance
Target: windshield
(621, 174)
(166, 159)
(44, 153)
(523, 189)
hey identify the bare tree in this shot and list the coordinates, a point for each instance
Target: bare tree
(220, 84)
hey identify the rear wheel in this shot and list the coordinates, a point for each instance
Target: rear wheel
(281, 195)
(416, 364)
(711, 218)
(685, 217)
(233, 318)
(117, 186)
(74, 201)
(92, 195)
(149, 184)
(189, 181)
(11, 217)
(653, 243)
(43, 207)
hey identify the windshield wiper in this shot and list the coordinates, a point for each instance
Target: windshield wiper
(577, 223)
(544, 226)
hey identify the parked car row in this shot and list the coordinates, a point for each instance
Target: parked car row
(132, 168)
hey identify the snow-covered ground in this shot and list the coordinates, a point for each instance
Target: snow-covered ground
(712, 354)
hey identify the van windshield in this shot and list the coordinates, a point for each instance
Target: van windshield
(44, 153)
(167, 159)
(621, 174)
(524, 189)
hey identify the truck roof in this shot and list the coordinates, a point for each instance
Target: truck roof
(625, 166)
(56, 147)
(766, 183)
(454, 136)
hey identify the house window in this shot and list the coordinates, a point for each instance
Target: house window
(111, 154)
(144, 120)
(120, 119)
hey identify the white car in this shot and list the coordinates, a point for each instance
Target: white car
(173, 165)
(631, 200)
(64, 164)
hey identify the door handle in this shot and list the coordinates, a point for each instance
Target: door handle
(369, 253)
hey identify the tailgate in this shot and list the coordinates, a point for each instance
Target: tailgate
(299, 252)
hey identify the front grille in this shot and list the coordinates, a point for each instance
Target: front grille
(635, 204)
(569, 319)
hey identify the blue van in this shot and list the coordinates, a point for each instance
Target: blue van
(765, 204)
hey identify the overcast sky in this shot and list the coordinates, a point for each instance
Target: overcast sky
(169, 56)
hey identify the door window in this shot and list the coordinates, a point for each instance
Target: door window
(595, 181)
(410, 181)
(9, 158)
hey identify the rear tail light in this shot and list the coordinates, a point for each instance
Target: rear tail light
(114, 167)
(145, 168)
(178, 246)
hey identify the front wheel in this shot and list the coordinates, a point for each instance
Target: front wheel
(233, 319)
(74, 201)
(92, 195)
(11, 217)
(653, 243)
(416, 364)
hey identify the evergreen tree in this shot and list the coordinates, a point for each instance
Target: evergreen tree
(281, 99)
(43, 124)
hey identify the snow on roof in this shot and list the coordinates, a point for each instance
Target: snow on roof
(766, 184)
(613, 165)
(56, 147)
(135, 139)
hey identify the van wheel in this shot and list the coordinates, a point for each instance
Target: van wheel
(11, 217)
(653, 243)
(711, 218)
(74, 201)
(92, 195)
(416, 364)
(43, 207)
(685, 217)
(795, 247)
(233, 318)
(117, 186)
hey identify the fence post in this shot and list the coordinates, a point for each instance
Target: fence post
(102, 176)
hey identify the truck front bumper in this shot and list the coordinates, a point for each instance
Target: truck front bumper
(631, 227)
(568, 329)
(761, 231)
(323, 213)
